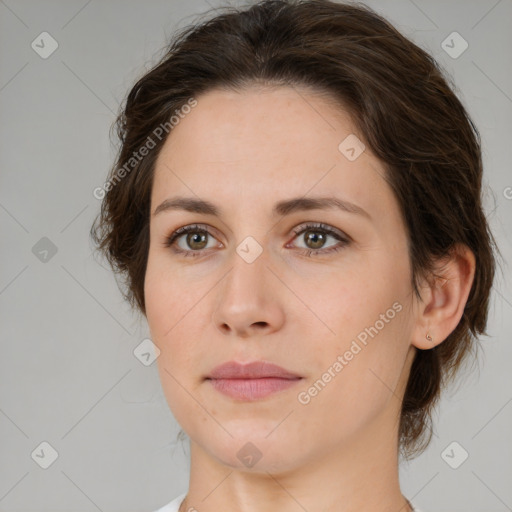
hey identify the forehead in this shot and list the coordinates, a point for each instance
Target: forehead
(265, 142)
(256, 124)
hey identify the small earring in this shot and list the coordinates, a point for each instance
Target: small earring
(429, 338)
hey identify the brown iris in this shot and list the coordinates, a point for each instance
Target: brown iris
(316, 237)
(198, 237)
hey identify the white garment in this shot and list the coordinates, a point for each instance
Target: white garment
(174, 505)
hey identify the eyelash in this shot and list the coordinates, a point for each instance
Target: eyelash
(318, 227)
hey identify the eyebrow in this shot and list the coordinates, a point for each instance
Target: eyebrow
(281, 208)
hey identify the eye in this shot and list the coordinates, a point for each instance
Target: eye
(195, 239)
(315, 236)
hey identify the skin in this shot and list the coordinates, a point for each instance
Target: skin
(244, 151)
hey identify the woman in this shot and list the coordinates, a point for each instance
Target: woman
(296, 210)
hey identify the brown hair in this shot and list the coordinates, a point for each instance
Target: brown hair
(399, 101)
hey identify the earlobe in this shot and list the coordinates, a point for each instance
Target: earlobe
(449, 292)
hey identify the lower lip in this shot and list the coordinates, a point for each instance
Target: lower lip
(252, 389)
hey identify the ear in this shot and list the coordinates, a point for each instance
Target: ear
(444, 298)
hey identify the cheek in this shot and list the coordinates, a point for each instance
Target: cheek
(168, 308)
(165, 296)
(344, 302)
(364, 320)
(175, 316)
(368, 292)
(357, 388)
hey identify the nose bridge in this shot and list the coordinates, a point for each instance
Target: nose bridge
(249, 268)
(251, 252)
(247, 299)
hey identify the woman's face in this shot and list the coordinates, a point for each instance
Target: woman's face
(245, 289)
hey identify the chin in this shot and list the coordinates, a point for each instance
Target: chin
(253, 450)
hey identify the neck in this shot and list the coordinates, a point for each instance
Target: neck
(362, 474)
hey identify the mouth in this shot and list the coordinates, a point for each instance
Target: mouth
(253, 381)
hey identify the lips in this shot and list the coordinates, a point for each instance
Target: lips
(254, 370)
(253, 381)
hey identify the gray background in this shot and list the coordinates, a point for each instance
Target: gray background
(68, 375)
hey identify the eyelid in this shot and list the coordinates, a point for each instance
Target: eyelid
(297, 230)
(322, 227)
(342, 237)
(192, 227)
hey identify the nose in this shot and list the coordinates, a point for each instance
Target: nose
(250, 299)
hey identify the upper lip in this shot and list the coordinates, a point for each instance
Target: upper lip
(253, 370)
